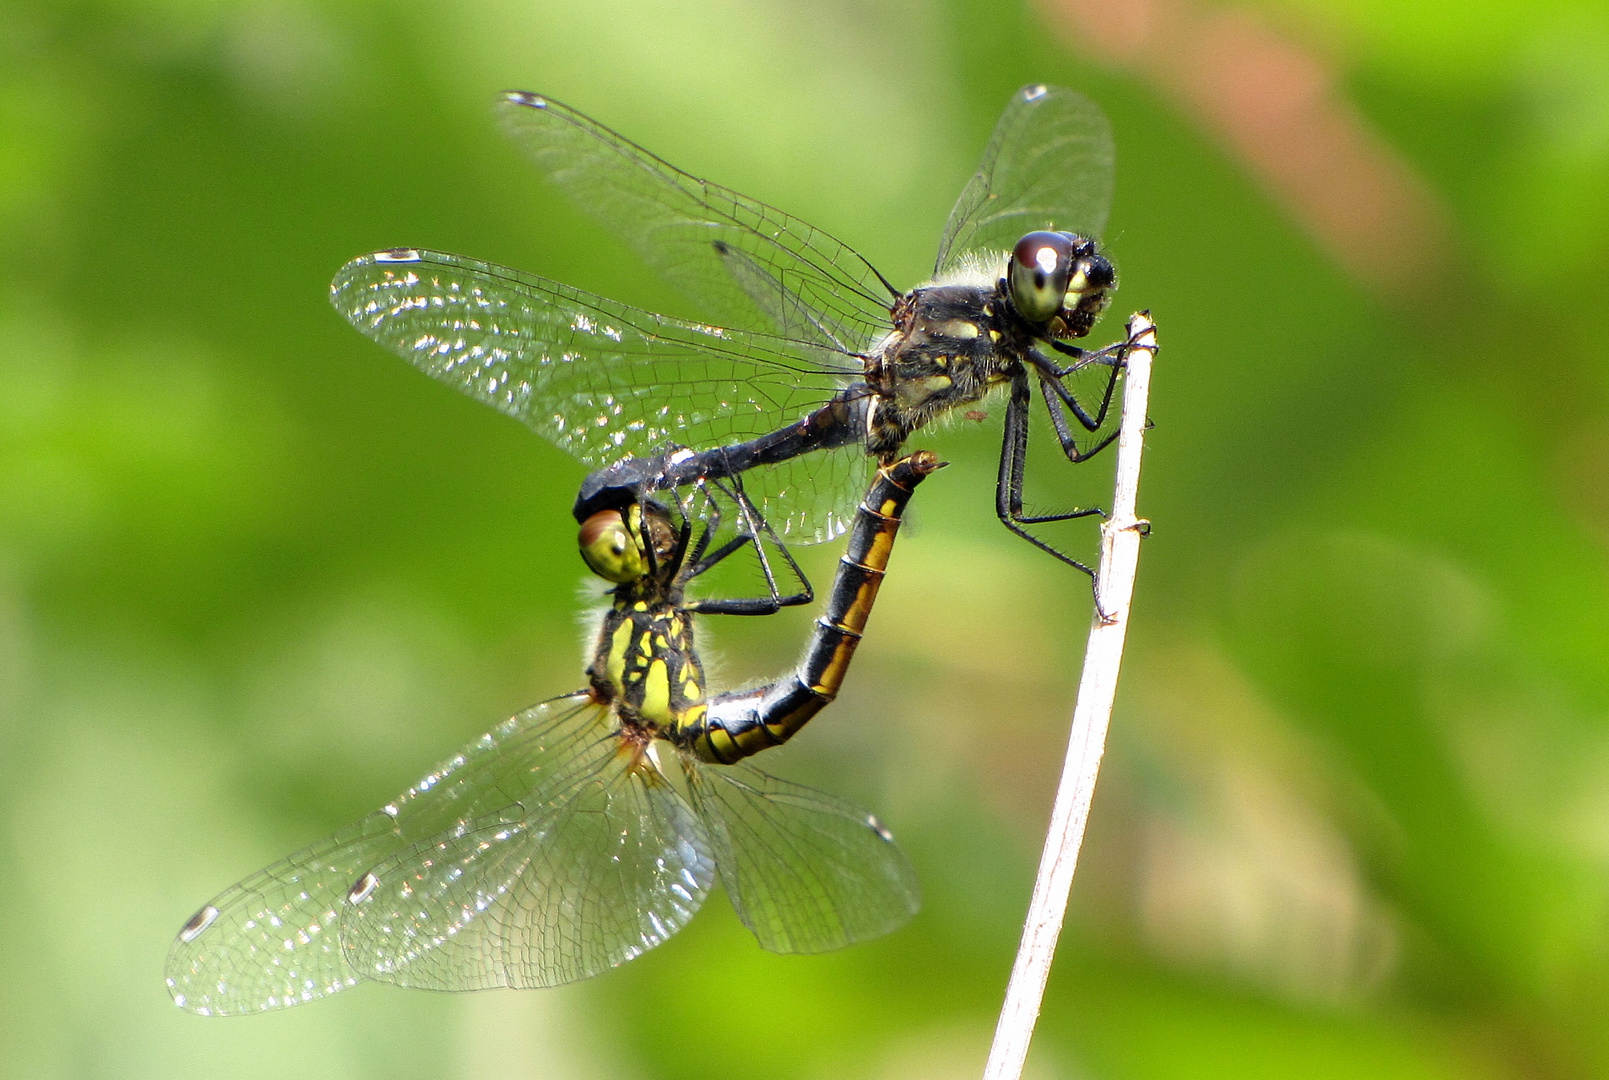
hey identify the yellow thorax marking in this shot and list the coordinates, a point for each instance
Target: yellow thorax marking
(619, 645)
(656, 694)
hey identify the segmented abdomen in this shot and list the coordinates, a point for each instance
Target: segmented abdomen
(746, 722)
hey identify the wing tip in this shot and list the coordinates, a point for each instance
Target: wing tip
(524, 98)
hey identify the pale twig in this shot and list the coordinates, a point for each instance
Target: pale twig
(1103, 655)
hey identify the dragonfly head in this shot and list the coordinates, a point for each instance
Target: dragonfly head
(612, 544)
(1059, 276)
(629, 544)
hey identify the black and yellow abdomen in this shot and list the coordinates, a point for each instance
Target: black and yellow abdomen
(744, 723)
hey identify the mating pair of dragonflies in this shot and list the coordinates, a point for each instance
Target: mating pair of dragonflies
(589, 828)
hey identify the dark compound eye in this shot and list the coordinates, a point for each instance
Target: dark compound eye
(1041, 264)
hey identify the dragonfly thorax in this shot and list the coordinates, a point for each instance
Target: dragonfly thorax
(647, 667)
(954, 342)
(951, 345)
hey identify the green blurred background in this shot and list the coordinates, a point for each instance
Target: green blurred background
(256, 574)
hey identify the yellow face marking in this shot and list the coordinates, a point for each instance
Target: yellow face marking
(641, 605)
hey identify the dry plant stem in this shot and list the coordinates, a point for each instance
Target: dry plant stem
(1103, 655)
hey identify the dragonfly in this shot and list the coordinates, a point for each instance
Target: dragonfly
(812, 363)
(587, 829)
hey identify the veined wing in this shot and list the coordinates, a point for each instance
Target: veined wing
(586, 871)
(807, 499)
(812, 498)
(598, 378)
(1049, 165)
(273, 939)
(807, 872)
(746, 263)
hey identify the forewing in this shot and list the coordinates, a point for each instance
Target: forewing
(598, 378)
(586, 872)
(807, 872)
(273, 939)
(1049, 165)
(811, 498)
(745, 263)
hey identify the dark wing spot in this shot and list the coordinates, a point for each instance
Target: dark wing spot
(198, 922)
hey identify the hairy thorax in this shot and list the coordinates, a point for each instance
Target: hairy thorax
(646, 664)
(951, 345)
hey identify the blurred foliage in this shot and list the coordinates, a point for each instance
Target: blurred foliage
(255, 574)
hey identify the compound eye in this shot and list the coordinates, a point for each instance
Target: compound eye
(1041, 264)
(611, 548)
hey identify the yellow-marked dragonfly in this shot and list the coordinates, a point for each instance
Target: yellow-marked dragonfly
(812, 360)
(589, 828)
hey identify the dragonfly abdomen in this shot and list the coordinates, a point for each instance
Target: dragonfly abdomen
(740, 724)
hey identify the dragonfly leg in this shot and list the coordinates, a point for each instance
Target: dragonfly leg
(1059, 400)
(756, 530)
(1113, 357)
(1013, 464)
(1051, 378)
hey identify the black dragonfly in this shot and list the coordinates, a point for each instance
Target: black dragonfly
(812, 361)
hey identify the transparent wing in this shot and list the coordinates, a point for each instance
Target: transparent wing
(272, 940)
(1049, 165)
(807, 872)
(589, 869)
(601, 379)
(745, 263)
(811, 499)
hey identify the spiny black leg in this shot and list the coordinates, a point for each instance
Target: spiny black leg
(712, 525)
(715, 558)
(1051, 378)
(1058, 419)
(806, 593)
(755, 524)
(1008, 486)
(758, 529)
(1113, 355)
